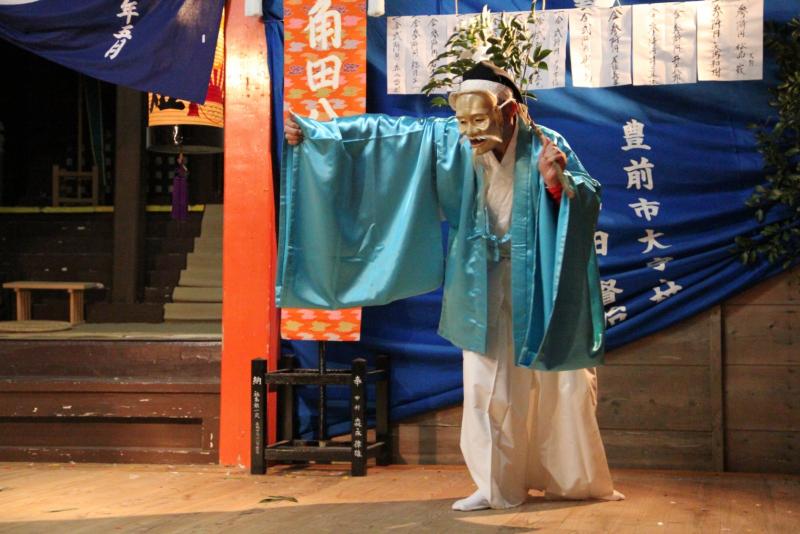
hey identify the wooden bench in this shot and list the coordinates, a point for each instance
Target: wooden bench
(75, 290)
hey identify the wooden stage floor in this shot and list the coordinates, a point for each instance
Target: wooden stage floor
(89, 498)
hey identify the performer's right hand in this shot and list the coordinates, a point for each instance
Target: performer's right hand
(292, 131)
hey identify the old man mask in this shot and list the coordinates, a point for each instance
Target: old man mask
(478, 102)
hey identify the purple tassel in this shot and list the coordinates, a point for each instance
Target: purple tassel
(180, 192)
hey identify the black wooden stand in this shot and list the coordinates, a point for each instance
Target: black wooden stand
(322, 450)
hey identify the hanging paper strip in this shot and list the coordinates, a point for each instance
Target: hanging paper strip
(550, 31)
(664, 37)
(439, 28)
(325, 76)
(396, 54)
(416, 64)
(600, 43)
(668, 43)
(730, 36)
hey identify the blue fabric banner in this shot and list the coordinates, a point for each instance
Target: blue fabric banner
(163, 46)
(273, 25)
(677, 163)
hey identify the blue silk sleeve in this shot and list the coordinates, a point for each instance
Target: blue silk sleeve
(359, 222)
(567, 328)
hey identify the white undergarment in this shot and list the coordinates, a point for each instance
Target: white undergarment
(524, 429)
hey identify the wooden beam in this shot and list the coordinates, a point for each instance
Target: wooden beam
(716, 388)
(249, 316)
(128, 197)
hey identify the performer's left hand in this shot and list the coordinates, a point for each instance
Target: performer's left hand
(551, 161)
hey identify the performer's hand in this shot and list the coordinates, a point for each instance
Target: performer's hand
(552, 161)
(292, 131)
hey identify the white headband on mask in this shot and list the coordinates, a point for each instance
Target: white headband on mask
(497, 91)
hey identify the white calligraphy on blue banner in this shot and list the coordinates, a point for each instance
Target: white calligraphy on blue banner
(148, 46)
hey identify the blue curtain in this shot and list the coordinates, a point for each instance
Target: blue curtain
(154, 46)
(705, 167)
(273, 26)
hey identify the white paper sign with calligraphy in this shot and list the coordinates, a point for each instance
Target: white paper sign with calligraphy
(550, 31)
(418, 54)
(396, 54)
(411, 44)
(438, 29)
(730, 36)
(600, 44)
(644, 44)
(664, 37)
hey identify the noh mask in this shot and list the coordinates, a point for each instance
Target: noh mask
(480, 121)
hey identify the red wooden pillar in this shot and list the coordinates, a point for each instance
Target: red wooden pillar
(249, 316)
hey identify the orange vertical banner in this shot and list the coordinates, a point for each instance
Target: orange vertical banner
(325, 58)
(325, 76)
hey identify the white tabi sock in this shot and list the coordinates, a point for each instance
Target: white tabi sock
(476, 501)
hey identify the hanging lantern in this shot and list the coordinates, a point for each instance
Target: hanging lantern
(181, 127)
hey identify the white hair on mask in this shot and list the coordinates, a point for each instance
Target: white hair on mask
(497, 92)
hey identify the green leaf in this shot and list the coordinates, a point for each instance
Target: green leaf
(778, 141)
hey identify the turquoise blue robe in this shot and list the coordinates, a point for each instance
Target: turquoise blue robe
(361, 200)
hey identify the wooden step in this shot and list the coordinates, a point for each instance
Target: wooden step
(66, 244)
(57, 275)
(134, 312)
(158, 278)
(193, 311)
(49, 225)
(211, 277)
(172, 261)
(208, 244)
(204, 260)
(156, 245)
(213, 212)
(109, 400)
(166, 227)
(158, 294)
(197, 294)
(212, 224)
(67, 261)
(163, 360)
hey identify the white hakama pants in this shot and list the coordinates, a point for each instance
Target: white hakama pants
(524, 429)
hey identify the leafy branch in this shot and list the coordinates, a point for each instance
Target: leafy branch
(508, 44)
(779, 143)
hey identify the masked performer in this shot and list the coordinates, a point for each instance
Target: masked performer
(360, 208)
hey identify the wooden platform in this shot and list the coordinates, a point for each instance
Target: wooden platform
(716, 392)
(56, 498)
(109, 400)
